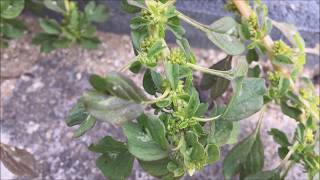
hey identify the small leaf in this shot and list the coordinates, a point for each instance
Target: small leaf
(141, 145)
(185, 46)
(157, 79)
(175, 27)
(283, 59)
(172, 74)
(252, 55)
(85, 126)
(77, 114)
(49, 26)
(128, 8)
(135, 67)
(223, 25)
(89, 42)
(193, 103)
(279, 137)
(247, 99)
(98, 82)
(155, 49)
(110, 109)
(213, 153)
(108, 144)
(45, 40)
(18, 161)
(116, 166)
(164, 103)
(148, 83)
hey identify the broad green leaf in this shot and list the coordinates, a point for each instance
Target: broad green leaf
(193, 103)
(141, 145)
(264, 175)
(49, 26)
(137, 3)
(155, 128)
(137, 37)
(172, 74)
(11, 8)
(213, 153)
(77, 114)
(55, 5)
(157, 80)
(241, 68)
(110, 109)
(220, 132)
(123, 87)
(135, 67)
(164, 103)
(116, 166)
(254, 72)
(246, 157)
(185, 46)
(234, 133)
(108, 144)
(218, 85)
(176, 169)
(148, 83)
(138, 22)
(95, 12)
(289, 110)
(220, 36)
(247, 99)
(61, 42)
(45, 40)
(156, 168)
(224, 25)
(279, 137)
(155, 49)
(202, 109)
(85, 126)
(282, 59)
(98, 82)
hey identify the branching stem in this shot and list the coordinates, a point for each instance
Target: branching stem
(224, 74)
(162, 97)
(206, 119)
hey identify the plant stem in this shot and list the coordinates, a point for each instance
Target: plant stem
(194, 23)
(163, 96)
(67, 5)
(206, 119)
(286, 159)
(224, 74)
(291, 163)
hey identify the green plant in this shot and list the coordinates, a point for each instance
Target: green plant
(179, 133)
(10, 26)
(76, 26)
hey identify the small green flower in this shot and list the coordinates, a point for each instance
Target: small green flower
(177, 56)
(253, 26)
(281, 48)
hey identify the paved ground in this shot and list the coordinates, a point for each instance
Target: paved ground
(37, 91)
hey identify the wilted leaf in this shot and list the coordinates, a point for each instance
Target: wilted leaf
(18, 161)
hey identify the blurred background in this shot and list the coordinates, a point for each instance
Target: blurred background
(38, 89)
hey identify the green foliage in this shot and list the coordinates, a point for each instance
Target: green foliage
(172, 132)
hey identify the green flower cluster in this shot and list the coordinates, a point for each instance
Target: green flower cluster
(281, 48)
(177, 56)
(253, 26)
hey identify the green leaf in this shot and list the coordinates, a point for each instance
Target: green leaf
(141, 145)
(98, 82)
(137, 37)
(137, 23)
(85, 126)
(185, 46)
(234, 133)
(279, 137)
(148, 83)
(61, 42)
(12, 28)
(89, 42)
(252, 55)
(172, 74)
(254, 72)
(241, 68)
(164, 103)
(135, 67)
(246, 157)
(157, 80)
(264, 175)
(108, 144)
(96, 13)
(77, 114)
(289, 110)
(220, 132)
(55, 5)
(45, 40)
(247, 99)
(49, 26)
(213, 153)
(155, 49)
(155, 128)
(110, 109)
(156, 168)
(220, 37)
(116, 166)
(193, 103)
(128, 8)
(11, 8)
(123, 87)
